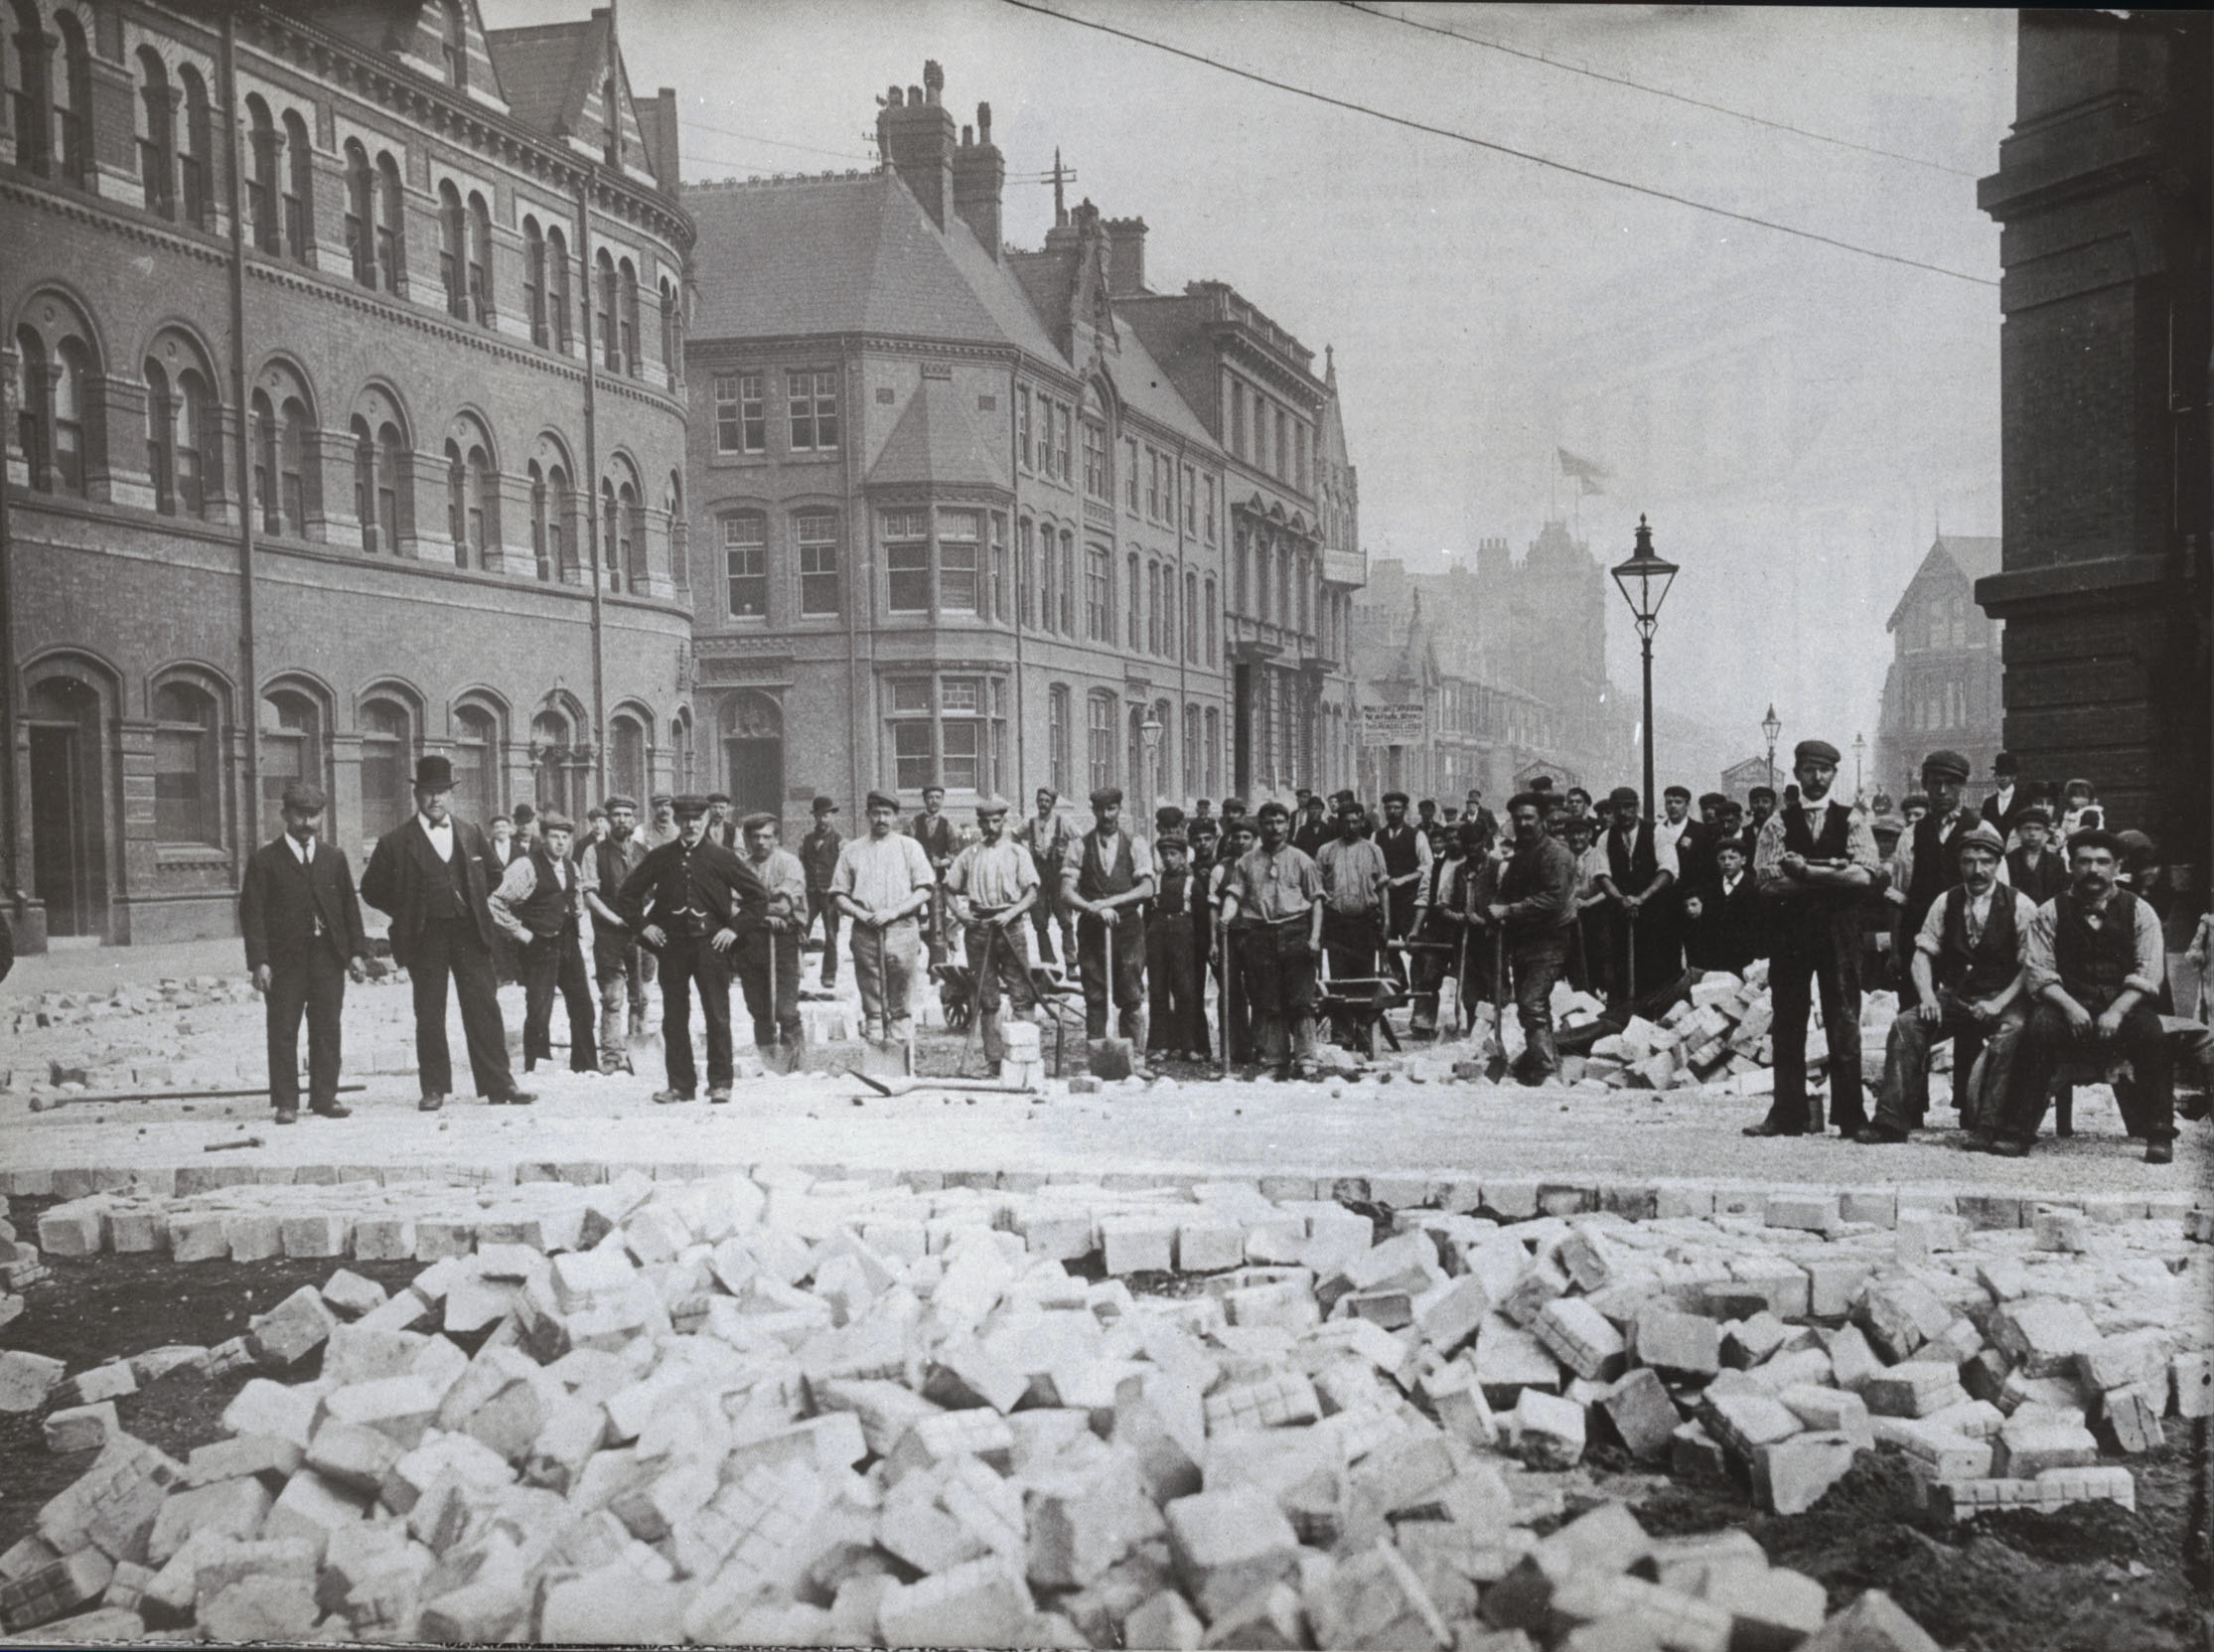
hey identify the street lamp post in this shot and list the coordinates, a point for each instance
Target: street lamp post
(1859, 750)
(1644, 579)
(1771, 725)
(1149, 740)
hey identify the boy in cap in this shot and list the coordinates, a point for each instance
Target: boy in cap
(769, 956)
(881, 882)
(1816, 858)
(818, 859)
(991, 887)
(433, 874)
(302, 925)
(538, 906)
(693, 902)
(1178, 1023)
(933, 830)
(1723, 912)
(1108, 880)
(2033, 866)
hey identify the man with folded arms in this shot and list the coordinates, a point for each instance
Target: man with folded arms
(2094, 962)
(1968, 980)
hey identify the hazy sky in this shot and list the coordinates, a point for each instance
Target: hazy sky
(1794, 417)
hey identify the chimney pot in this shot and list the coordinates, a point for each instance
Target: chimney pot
(914, 95)
(983, 121)
(934, 79)
(894, 98)
(969, 137)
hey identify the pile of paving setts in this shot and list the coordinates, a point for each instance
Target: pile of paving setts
(775, 1410)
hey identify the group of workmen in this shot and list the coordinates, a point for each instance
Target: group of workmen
(1286, 911)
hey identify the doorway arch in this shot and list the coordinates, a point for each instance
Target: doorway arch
(68, 725)
(753, 752)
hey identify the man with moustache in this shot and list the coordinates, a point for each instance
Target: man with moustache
(882, 881)
(990, 891)
(1815, 860)
(302, 925)
(693, 902)
(1109, 880)
(537, 905)
(1272, 904)
(769, 954)
(2094, 964)
(618, 966)
(1927, 861)
(1535, 905)
(1406, 865)
(432, 875)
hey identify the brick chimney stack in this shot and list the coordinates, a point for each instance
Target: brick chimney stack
(915, 133)
(980, 176)
(1125, 256)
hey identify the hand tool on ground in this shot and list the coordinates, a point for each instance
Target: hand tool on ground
(976, 1000)
(226, 1147)
(779, 1058)
(44, 1103)
(1110, 1056)
(1495, 1066)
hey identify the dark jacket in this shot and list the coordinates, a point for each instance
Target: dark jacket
(731, 892)
(2042, 881)
(281, 900)
(1538, 889)
(2006, 822)
(1727, 933)
(400, 871)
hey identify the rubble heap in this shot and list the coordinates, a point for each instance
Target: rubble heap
(775, 1410)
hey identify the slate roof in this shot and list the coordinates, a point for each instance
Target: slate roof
(549, 70)
(851, 254)
(936, 440)
(1971, 557)
(1148, 389)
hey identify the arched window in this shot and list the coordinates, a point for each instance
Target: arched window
(557, 288)
(33, 91)
(265, 462)
(480, 259)
(381, 472)
(262, 190)
(484, 502)
(1194, 779)
(534, 279)
(557, 767)
(538, 521)
(626, 282)
(361, 212)
(681, 760)
(157, 142)
(181, 450)
(196, 161)
(365, 485)
(673, 342)
(477, 788)
(680, 534)
(299, 194)
(626, 755)
(1164, 758)
(453, 230)
(1057, 738)
(453, 43)
(1068, 583)
(387, 791)
(34, 407)
(187, 798)
(73, 114)
(1191, 616)
(456, 495)
(611, 356)
(559, 557)
(392, 225)
(292, 476)
(292, 750)
(69, 387)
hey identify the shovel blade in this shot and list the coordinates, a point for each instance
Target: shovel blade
(883, 1061)
(1111, 1058)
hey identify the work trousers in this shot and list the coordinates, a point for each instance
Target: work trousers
(1230, 999)
(1537, 962)
(1280, 989)
(619, 967)
(1591, 954)
(1650, 941)
(1817, 949)
(1350, 941)
(310, 984)
(999, 961)
(769, 973)
(1178, 1020)
(451, 948)
(934, 922)
(821, 907)
(2047, 1042)
(687, 960)
(1048, 911)
(1127, 950)
(551, 963)
(1903, 1098)
(884, 969)
(1398, 906)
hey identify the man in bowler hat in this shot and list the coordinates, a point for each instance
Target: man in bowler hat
(303, 930)
(433, 875)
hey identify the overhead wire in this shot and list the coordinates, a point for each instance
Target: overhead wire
(1354, 107)
(1568, 68)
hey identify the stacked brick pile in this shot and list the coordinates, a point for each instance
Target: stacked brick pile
(790, 1411)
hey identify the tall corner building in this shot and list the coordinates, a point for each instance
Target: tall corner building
(967, 515)
(345, 354)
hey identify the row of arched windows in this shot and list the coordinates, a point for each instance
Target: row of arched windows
(50, 94)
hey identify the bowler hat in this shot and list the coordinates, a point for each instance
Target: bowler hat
(524, 814)
(825, 806)
(434, 774)
(1816, 751)
(302, 799)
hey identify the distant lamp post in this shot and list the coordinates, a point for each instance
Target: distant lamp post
(1859, 751)
(1644, 580)
(1771, 725)
(1149, 740)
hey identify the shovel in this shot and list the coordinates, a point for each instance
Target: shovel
(1109, 1057)
(779, 1058)
(1494, 1064)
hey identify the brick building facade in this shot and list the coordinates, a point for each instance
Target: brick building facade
(390, 465)
(2101, 190)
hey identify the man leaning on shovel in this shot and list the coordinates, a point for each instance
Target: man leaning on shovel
(991, 887)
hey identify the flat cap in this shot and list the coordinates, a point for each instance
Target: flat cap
(718, 797)
(1397, 796)
(1527, 799)
(991, 802)
(554, 820)
(1623, 796)
(883, 799)
(1347, 804)
(1172, 838)
(1819, 751)
(304, 799)
(660, 797)
(1106, 797)
(687, 806)
(1984, 836)
(1712, 799)
(758, 818)
(1945, 763)
(619, 800)
(2036, 812)
(1684, 792)
(1272, 808)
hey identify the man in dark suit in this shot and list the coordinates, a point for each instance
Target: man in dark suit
(303, 932)
(1638, 885)
(2005, 803)
(433, 875)
(692, 901)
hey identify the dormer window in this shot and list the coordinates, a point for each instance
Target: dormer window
(453, 43)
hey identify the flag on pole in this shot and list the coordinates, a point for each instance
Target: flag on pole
(1588, 472)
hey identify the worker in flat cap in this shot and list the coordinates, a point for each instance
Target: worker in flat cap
(2033, 866)
(769, 954)
(818, 858)
(1175, 956)
(693, 903)
(302, 923)
(1406, 868)
(661, 821)
(1642, 941)
(619, 964)
(1312, 823)
(1273, 911)
(1968, 986)
(1107, 881)
(2093, 965)
(990, 889)
(1048, 835)
(539, 905)
(1354, 885)
(1814, 863)
(933, 830)
(1535, 908)
(1927, 861)
(722, 823)
(884, 882)
(434, 875)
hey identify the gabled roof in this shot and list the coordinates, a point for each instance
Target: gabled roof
(552, 74)
(935, 441)
(410, 27)
(1146, 388)
(1951, 556)
(850, 254)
